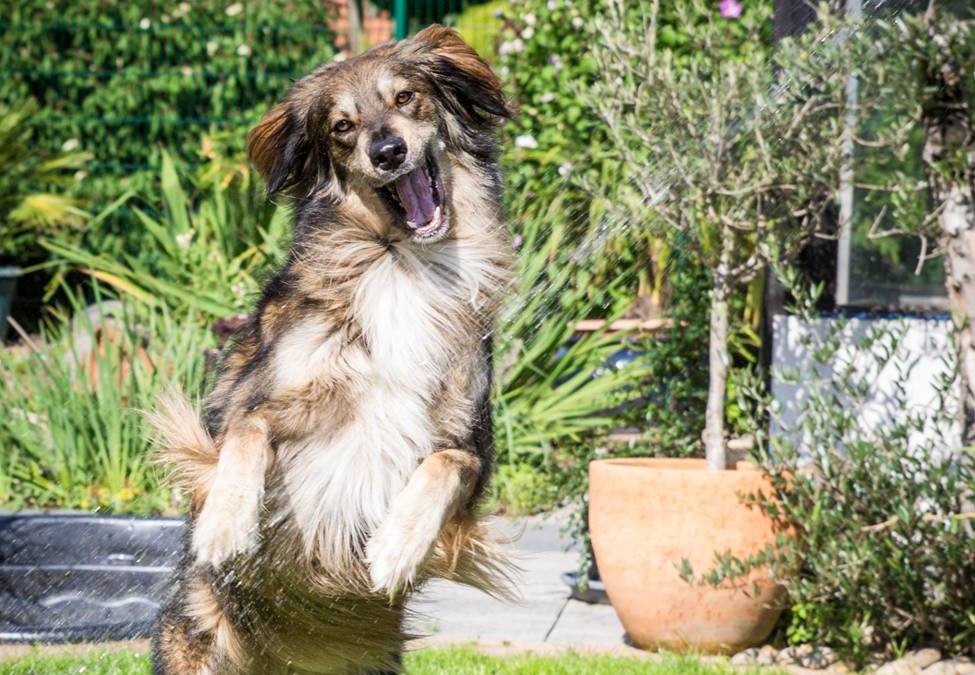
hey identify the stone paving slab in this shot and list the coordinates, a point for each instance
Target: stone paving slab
(450, 612)
(588, 625)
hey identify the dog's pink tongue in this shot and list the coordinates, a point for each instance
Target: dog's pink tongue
(416, 195)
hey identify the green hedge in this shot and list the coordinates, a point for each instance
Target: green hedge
(123, 79)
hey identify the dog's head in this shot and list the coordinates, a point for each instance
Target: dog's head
(384, 121)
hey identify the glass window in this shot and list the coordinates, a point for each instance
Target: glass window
(877, 270)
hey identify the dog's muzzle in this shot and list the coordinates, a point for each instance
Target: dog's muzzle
(419, 196)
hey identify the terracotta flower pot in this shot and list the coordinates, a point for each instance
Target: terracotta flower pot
(645, 517)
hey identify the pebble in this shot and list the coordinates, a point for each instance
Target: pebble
(763, 656)
(767, 655)
(912, 663)
(950, 667)
(746, 657)
(811, 659)
(817, 658)
(790, 655)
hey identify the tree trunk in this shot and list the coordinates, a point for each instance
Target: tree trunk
(948, 160)
(713, 436)
(355, 28)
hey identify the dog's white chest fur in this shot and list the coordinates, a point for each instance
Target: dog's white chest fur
(341, 480)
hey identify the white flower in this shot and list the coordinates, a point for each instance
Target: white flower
(577, 22)
(244, 50)
(565, 169)
(552, 5)
(517, 46)
(80, 175)
(504, 72)
(145, 23)
(504, 48)
(530, 19)
(234, 9)
(547, 97)
(528, 33)
(186, 71)
(183, 239)
(70, 145)
(526, 141)
(184, 8)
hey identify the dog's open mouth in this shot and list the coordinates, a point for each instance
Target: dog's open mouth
(419, 197)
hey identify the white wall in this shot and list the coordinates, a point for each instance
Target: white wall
(923, 355)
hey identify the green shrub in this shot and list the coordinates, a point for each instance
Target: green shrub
(554, 391)
(881, 506)
(123, 79)
(76, 438)
(480, 25)
(676, 388)
(28, 207)
(520, 489)
(206, 248)
(72, 432)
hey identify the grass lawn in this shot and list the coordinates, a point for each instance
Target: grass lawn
(458, 661)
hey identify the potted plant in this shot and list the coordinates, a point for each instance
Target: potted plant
(27, 210)
(739, 153)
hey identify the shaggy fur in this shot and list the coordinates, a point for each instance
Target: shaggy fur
(347, 438)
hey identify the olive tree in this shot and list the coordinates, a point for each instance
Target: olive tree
(740, 155)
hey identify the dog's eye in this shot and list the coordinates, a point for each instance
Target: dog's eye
(404, 97)
(342, 126)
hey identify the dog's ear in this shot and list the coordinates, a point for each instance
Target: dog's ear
(282, 152)
(467, 83)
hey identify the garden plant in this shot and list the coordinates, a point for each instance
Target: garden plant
(884, 551)
(741, 156)
(31, 205)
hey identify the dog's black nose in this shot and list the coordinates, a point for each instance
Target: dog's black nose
(388, 153)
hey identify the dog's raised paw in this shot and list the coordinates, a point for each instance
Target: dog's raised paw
(224, 528)
(395, 555)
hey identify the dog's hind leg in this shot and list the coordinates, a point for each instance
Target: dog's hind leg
(228, 521)
(437, 491)
(194, 635)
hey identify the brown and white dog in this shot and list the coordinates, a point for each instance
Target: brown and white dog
(347, 438)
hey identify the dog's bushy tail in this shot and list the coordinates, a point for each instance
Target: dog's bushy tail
(469, 554)
(183, 446)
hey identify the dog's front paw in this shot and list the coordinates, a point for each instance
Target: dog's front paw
(225, 527)
(396, 553)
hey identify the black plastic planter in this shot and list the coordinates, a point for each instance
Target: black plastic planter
(72, 578)
(8, 285)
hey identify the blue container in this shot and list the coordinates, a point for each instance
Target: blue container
(8, 284)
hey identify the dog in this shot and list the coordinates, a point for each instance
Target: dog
(346, 440)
